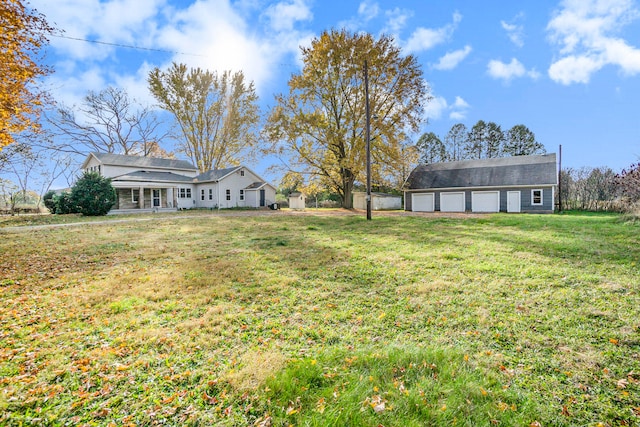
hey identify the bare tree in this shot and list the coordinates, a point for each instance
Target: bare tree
(108, 122)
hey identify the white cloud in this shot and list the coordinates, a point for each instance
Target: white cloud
(367, 10)
(438, 106)
(425, 38)
(460, 103)
(214, 34)
(457, 115)
(451, 59)
(284, 15)
(514, 69)
(585, 32)
(574, 69)
(435, 108)
(396, 20)
(515, 31)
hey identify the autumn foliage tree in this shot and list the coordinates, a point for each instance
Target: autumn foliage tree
(319, 127)
(23, 34)
(216, 113)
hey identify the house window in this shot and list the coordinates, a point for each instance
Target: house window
(135, 195)
(185, 193)
(241, 194)
(228, 194)
(536, 197)
(202, 194)
(242, 173)
(211, 194)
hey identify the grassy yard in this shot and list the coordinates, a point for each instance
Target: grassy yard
(276, 320)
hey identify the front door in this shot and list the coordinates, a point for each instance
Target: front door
(513, 201)
(262, 197)
(156, 198)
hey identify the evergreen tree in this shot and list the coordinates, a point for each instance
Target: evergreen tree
(93, 195)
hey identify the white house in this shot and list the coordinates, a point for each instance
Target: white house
(153, 183)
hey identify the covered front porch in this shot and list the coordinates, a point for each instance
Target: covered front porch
(141, 198)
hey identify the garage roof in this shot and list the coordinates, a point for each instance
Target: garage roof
(505, 171)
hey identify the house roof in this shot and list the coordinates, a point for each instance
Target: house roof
(295, 194)
(255, 185)
(141, 161)
(153, 176)
(505, 171)
(216, 174)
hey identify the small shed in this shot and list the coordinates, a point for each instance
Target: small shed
(297, 200)
(379, 201)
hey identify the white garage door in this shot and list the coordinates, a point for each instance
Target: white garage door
(422, 202)
(452, 202)
(485, 201)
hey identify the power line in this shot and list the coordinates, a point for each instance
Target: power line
(128, 46)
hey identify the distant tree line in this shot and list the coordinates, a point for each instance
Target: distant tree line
(485, 140)
(600, 189)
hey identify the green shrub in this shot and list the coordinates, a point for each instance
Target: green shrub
(49, 201)
(93, 195)
(63, 204)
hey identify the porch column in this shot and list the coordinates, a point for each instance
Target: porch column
(141, 198)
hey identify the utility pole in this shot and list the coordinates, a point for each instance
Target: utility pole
(368, 139)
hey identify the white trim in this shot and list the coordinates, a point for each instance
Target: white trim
(533, 203)
(159, 190)
(495, 187)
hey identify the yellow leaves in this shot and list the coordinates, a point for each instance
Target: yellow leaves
(377, 403)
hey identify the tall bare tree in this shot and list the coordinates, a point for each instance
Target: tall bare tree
(108, 122)
(217, 114)
(320, 125)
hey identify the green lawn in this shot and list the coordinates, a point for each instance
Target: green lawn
(277, 320)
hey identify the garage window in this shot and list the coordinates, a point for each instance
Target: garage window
(536, 197)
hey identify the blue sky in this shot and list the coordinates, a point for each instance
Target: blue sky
(569, 70)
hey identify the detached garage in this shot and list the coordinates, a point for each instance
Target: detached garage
(507, 184)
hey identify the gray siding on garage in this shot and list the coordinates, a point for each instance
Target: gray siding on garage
(525, 198)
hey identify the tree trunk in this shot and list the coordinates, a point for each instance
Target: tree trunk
(347, 182)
